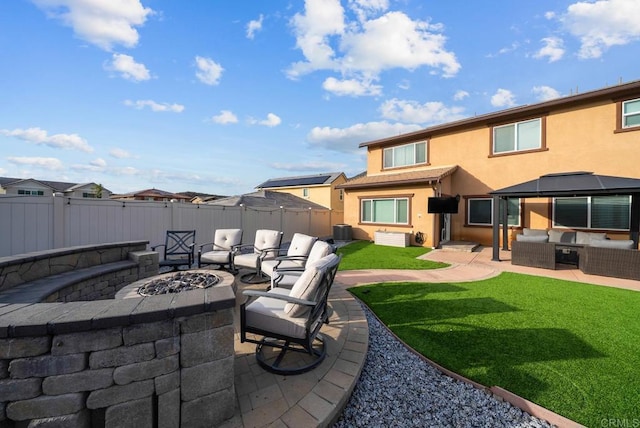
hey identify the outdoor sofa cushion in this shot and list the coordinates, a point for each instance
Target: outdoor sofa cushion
(562, 236)
(532, 238)
(534, 232)
(585, 238)
(269, 314)
(625, 244)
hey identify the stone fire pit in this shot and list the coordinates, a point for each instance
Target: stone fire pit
(176, 282)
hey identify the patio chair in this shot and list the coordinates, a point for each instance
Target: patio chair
(286, 276)
(286, 323)
(223, 247)
(296, 255)
(265, 246)
(178, 249)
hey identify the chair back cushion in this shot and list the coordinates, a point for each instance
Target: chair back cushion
(301, 244)
(307, 287)
(266, 238)
(226, 239)
(319, 250)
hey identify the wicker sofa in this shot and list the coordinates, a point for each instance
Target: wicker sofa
(593, 253)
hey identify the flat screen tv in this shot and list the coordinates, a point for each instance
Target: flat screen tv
(443, 205)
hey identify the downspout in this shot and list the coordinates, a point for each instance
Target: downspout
(435, 232)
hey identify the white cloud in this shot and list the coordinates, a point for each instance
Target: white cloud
(99, 162)
(602, 24)
(346, 140)
(39, 162)
(351, 87)
(460, 95)
(3, 171)
(553, 49)
(545, 93)
(96, 165)
(209, 72)
(366, 47)
(225, 117)
(503, 98)
(253, 26)
(309, 166)
(413, 112)
(271, 121)
(154, 106)
(58, 141)
(128, 68)
(103, 23)
(120, 154)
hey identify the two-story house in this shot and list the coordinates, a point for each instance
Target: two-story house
(596, 131)
(33, 187)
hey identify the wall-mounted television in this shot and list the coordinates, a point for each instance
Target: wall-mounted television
(443, 205)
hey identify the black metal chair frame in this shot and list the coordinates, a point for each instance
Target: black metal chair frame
(179, 247)
(258, 277)
(234, 249)
(318, 315)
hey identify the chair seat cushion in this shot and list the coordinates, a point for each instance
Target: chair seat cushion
(247, 260)
(267, 266)
(221, 257)
(269, 315)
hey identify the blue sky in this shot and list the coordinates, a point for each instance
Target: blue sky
(219, 96)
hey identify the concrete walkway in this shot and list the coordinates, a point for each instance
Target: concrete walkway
(317, 398)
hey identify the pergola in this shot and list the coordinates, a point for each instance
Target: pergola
(565, 184)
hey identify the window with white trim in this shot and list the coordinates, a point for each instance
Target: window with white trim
(480, 211)
(305, 192)
(341, 194)
(518, 136)
(593, 212)
(89, 195)
(386, 211)
(631, 113)
(405, 155)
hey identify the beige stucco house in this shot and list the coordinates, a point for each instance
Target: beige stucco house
(33, 187)
(596, 131)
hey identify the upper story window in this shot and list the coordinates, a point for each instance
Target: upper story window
(518, 136)
(30, 192)
(305, 192)
(89, 195)
(405, 155)
(631, 113)
(341, 194)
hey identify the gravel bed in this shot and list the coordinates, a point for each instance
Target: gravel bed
(398, 389)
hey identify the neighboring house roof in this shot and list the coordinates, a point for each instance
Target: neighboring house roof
(302, 180)
(572, 101)
(56, 186)
(151, 193)
(572, 184)
(399, 179)
(267, 199)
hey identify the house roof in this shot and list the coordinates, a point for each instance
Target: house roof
(56, 186)
(579, 183)
(151, 193)
(614, 93)
(302, 180)
(267, 199)
(399, 179)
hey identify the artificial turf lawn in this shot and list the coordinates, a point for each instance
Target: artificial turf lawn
(367, 255)
(572, 348)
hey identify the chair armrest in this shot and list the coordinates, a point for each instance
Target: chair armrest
(241, 248)
(265, 251)
(289, 299)
(156, 246)
(201, 246)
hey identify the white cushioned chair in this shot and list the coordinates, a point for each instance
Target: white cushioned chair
(295, 257)
(281, 320)
(286, 276)
(265, 247)
(225, 242)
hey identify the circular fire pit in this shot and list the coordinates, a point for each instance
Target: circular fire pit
(176, 282)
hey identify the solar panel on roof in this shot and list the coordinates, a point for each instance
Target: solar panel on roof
(301, 181)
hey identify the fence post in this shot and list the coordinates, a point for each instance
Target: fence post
(58, 220)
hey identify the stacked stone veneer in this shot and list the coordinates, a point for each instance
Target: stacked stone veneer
(164, 361)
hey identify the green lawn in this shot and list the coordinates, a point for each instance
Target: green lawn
(572, 348)
(366, 255)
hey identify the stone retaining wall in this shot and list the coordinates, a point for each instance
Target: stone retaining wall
(158, 361)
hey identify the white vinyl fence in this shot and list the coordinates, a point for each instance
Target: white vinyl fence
(35, 223)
